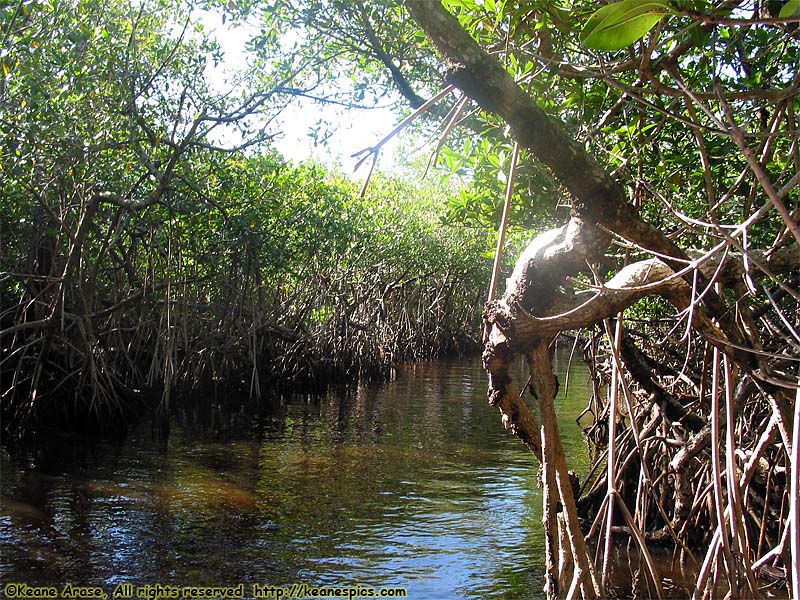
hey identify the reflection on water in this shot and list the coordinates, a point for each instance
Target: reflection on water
(411, 484)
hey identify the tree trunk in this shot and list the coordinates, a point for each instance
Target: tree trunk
(539, 301)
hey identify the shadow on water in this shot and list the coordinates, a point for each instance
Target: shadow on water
(413, 483)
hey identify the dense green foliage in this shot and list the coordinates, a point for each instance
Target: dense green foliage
(633, 113)
(672, 129)
(152, 240)
(139, 257)
(690, 113)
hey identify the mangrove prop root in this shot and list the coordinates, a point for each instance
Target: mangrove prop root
(537, 305)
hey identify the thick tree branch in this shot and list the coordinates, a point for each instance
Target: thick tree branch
(637, 365)
(597, 198)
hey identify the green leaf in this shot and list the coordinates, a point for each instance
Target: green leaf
(699, 35)
(790, 9)
(618, 25)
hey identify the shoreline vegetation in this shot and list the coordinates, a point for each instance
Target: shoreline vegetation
(298, 283)
(142, 257)
(152, 242)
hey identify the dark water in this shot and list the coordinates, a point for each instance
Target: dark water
(412, 484)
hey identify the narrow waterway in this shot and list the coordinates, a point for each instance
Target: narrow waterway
(413, 484)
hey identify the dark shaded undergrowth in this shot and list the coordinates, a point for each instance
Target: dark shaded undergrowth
(284, 279)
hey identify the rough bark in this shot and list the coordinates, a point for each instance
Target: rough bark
(539, 301)
(597, 198)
